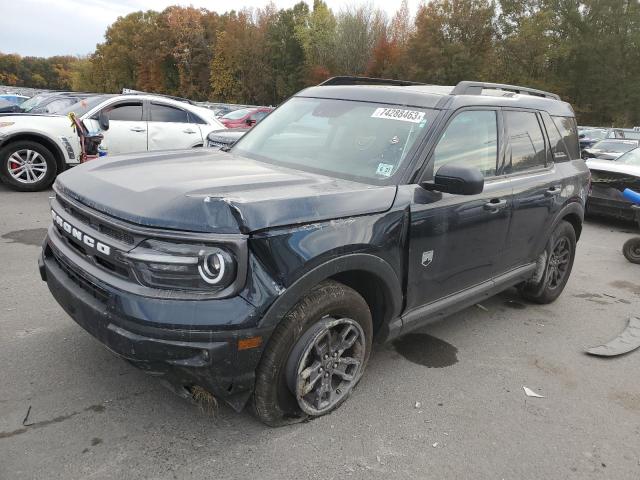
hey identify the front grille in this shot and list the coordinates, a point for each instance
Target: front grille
(94, 290)
(111, 265)
(96, 223)
(218, 143)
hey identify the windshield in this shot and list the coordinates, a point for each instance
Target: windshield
(346, 139)
(632, 157)
(619, 146)
(83, 106)
(27, 105)
(593, 134)
(238, 114)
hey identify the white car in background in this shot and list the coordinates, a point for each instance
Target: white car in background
(35, 148)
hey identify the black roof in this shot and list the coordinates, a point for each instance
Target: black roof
(441, 97)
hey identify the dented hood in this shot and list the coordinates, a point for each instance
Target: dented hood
(211, 191)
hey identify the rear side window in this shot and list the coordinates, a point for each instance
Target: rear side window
(165, 113)
(193, 118)
(527, 143)
(569, 132)
(471, 139)
(559, 151)
(126, 112)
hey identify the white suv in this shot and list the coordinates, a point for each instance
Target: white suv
(35, 148)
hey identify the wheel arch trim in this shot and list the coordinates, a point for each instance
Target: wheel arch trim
(360, 262)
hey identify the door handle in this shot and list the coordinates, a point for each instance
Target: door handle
(495, 204)
(553, 191)
(138, 129)
(189, 130)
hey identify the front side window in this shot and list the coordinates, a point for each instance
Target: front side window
(360, 141)
(470, 139)
(126, 112)
(166, 113)
(527, 142)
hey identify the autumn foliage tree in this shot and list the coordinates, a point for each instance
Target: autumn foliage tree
(588, 51)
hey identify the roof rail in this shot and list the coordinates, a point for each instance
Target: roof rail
(127, 91)
(475, 88)
(350, 80)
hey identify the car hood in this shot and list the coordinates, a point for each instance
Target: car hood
(212, 191)
(614, 167)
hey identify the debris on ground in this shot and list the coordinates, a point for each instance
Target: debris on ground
(417, 405)
(626, 342)
(530, 393)
(435, 444)
(26, 417)
(482, 307)
(205, 400)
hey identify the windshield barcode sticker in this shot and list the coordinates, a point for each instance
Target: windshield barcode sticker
(384, 169)
(413, 116)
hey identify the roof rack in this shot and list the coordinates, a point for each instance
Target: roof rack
(127, 91)
(350, 80)
(475, 88)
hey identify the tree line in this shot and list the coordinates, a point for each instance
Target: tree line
(588, 51)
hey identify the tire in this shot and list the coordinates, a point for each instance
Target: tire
(296, 344)
(631, 250)
(38, 164)
(561, 250)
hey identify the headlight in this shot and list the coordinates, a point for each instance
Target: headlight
(189, 267)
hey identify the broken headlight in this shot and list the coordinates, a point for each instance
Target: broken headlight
(189, 267)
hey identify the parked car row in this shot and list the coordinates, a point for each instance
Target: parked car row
(37, 140)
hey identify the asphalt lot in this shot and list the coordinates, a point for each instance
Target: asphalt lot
(93, 416)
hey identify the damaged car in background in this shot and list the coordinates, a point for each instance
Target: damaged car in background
(608, 180)
(353, 213)
(36, 148)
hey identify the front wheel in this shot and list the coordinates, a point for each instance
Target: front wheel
(315, 357)
(561, 250)
(27, 166)
(631, 250)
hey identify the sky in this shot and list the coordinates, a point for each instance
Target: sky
(73, 27)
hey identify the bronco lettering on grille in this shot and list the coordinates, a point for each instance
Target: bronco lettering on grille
(80, 235)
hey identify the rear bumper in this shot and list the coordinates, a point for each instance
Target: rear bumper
(183, 357)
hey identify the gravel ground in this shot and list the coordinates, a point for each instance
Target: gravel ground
(446, 402)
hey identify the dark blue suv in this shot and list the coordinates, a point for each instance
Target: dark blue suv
(359, 210)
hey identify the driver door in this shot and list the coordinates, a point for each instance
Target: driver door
(456, 240)
(127, 130)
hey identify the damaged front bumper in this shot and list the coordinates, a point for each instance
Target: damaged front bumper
(139, 329)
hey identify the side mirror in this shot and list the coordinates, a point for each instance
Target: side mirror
(458, 179)
(250, 122)
(103, 121)
(582, 135)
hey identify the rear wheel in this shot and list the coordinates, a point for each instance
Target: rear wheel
(561, 250)
(27, 166)
(315, 357)
(631, 250)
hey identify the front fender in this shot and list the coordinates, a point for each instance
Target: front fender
(361, 262)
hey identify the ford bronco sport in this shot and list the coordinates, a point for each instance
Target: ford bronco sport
(360, 209)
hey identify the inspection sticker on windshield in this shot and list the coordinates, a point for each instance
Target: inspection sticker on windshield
(413, 116)
(384, 169)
